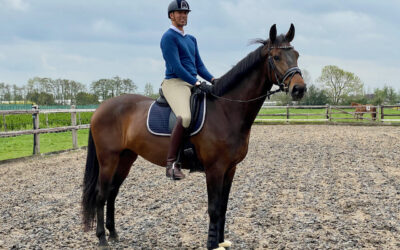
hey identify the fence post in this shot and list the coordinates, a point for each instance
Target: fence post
(287, 113)
(327, 111)
(36, 137)
(74, 131)
(382, 113)
(4, 123)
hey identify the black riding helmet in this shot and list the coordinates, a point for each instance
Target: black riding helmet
(178, 5)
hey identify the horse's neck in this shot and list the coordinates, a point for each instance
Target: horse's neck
(250, 87)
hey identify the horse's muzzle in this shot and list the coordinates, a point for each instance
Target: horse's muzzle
(298, 91)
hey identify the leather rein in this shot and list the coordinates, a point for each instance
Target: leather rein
(280, 83)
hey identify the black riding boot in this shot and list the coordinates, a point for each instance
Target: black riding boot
(173, 170)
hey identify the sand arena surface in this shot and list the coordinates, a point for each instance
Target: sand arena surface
(300, 187)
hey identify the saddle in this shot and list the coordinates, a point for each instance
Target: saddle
(161, 120)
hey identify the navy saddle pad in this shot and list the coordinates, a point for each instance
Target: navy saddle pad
(161, 119)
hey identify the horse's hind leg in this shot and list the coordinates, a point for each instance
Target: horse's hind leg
(125, 162)
(108, 165)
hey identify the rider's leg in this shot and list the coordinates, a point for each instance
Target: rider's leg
(177, 93)
(173, 170)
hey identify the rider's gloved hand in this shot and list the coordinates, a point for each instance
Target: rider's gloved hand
(214, 81)
(207, 88)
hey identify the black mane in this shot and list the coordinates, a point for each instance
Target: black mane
(229, 79)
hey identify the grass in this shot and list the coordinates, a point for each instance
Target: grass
(52, 120)
(21, 146)
(336, 115)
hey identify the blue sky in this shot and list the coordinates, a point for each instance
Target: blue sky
(93, 39)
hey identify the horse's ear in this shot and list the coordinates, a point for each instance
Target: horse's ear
(290, 35)
(272, 33)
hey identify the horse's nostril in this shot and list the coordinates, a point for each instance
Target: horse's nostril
(298, 91)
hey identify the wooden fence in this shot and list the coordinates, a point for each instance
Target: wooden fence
(36, 131)
(329, 115)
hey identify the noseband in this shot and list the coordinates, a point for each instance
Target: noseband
(288, 74)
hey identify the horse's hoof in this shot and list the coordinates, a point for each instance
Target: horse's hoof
(104, 248)
(113, 238)
(219, 248)
(103, 244)
(225, 244)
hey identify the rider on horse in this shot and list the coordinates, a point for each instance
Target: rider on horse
(183, 63)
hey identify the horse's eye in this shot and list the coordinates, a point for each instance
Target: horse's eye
(276, 58)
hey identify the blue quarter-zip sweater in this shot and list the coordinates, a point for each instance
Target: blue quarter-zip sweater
(182, 58)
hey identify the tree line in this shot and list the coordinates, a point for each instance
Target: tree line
(335, 86)
(47, 91)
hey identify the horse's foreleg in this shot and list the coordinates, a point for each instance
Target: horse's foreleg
(108, 164)
(224, 205)
(215, 178)
(125, 163)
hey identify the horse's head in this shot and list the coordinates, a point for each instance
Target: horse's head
(282, 63)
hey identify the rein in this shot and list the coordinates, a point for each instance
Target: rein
(269, 93)
(282, 87)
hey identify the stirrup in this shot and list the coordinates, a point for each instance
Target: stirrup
(173, 176)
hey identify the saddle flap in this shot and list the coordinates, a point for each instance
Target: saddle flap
(161, 119)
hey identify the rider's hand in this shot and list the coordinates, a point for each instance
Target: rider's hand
(198, 83)
(214, 81)
(207, 88)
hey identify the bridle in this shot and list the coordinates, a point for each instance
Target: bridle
(289, 73)
(272, 68)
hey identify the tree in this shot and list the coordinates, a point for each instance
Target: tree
(387, 95)
(100, 88)
(17, 93)
(108, 88)
(282, 99)
(128, 86)
(2, 88)
(73, 89)
(41, 98)
(5, 92)
(314, 96)
(148, 89)
(83, 98)
(391, 96)
(339, 83)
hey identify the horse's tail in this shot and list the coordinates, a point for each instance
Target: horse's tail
(89, 185)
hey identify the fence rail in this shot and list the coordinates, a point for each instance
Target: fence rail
(36, 131)
(329, 114)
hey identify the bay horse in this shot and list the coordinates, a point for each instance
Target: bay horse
(363, 109)
(118, 134)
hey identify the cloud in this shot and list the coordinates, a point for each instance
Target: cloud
(91, 39)
(371, 73)
(18, 5)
